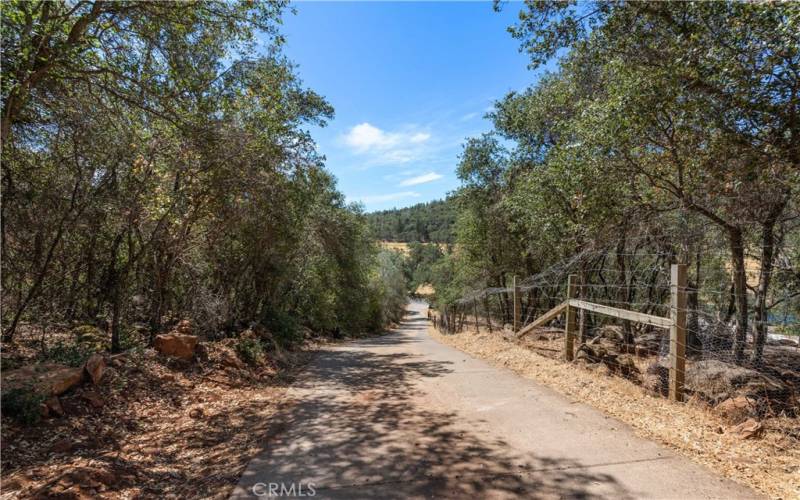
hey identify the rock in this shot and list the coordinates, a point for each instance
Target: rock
(651, 344)
(93, 399)
(48, 379)
(716, 381)
(626, 366)
(95, 366)
(747, 429)
(736, 410)
(177, 345)
(196, 413)
(590, 353)
(227, 357)
(184, 327)
(53, 406)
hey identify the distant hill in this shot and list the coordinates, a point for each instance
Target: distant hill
(424, 222)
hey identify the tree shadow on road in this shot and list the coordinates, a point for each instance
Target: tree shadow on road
(358, 430)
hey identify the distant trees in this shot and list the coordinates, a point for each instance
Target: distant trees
(156, 166)
(424, 222)
(667, 126)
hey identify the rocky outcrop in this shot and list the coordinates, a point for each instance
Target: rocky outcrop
(179, 343)
(749, 429)
(176, 345)
(95, 367)
(47, 379)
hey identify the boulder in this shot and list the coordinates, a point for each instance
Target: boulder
(717, 381)
(227, 357)
(747, 429)
(48, 379)
(736, 410)
(95, 366)
(176, 345)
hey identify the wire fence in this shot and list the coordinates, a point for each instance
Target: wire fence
(754, 357)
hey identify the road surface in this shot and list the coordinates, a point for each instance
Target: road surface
(403, 416)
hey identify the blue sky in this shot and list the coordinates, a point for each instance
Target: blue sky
(409, 82)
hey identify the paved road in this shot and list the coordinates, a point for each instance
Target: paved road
(403, 416)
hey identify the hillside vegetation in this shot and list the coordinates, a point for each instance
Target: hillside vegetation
(430, 222)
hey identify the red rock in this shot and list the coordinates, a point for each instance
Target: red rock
(49, 379)
(735, 410)
(229, 358)
(95, 366)
(750, 428)
(176, 345)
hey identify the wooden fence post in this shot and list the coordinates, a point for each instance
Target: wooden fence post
(486, 306)
(677, 332)
(517, 306)
(569, 330)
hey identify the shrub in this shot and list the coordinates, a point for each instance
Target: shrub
(74, 354)
(249, 350)
(284, 329)
(23, 405)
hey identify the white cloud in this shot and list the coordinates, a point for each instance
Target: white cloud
(386, 147)
(469, 116)
(421, 179)
(380, 198)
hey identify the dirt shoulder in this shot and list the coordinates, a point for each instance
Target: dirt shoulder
(155, 427)
(770, 463)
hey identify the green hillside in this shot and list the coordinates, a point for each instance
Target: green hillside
(424, 222)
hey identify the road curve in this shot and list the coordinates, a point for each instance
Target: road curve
(403, 416)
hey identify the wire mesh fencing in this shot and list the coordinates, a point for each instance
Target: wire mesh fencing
(749, 361)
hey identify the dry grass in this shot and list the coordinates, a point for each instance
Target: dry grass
(404, 248)
(770, 464)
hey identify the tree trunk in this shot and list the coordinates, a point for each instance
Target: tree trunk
(764, 278)
(740, 292)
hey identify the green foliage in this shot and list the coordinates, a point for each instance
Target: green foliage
(69, 353)
(250, 350)
(23, 405)
(668, 129)
(158, 166)
(420, 262)
(389, 288)
(424, 222)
